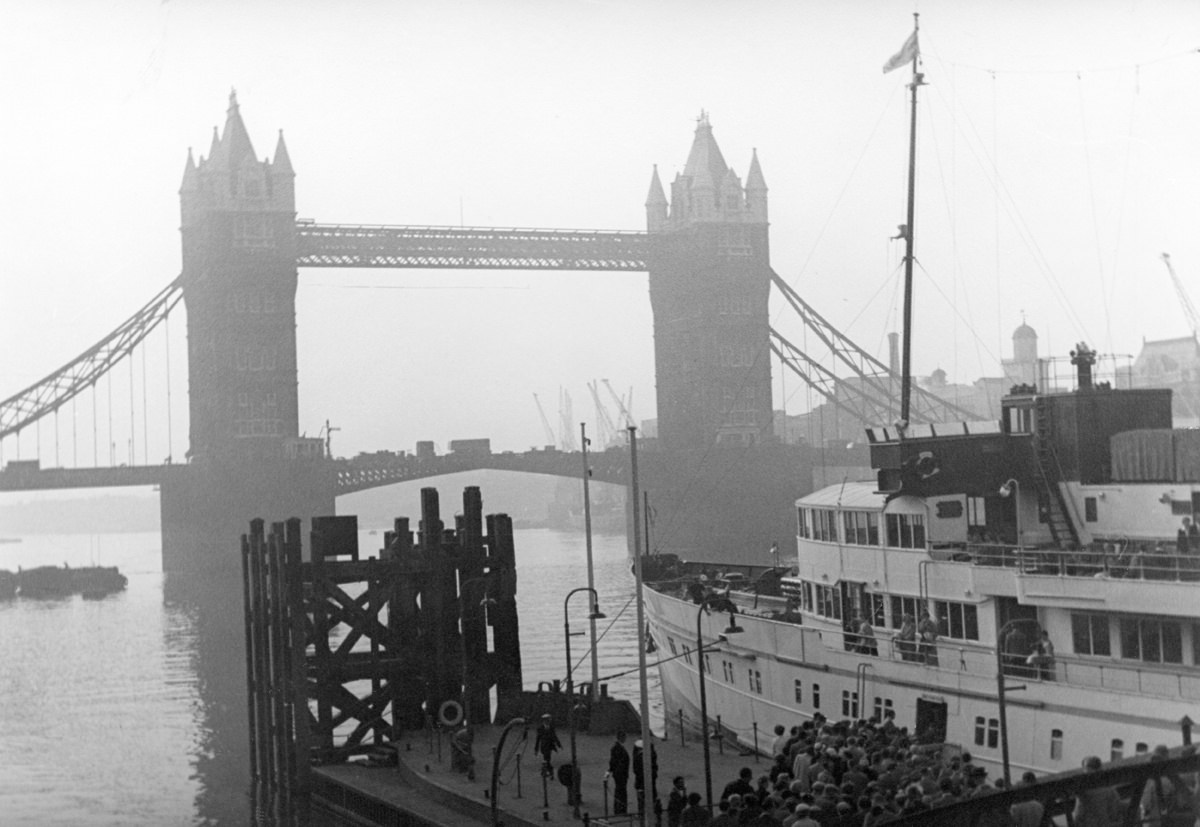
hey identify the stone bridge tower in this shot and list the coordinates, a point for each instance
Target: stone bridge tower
(239, 287)
(709, 281)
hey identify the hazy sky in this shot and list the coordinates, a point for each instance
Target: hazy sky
(1059, 156)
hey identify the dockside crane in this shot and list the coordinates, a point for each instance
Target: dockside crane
(625, 414)
(566, 420)
(604, 425)
(551, 440)
(1189, 309)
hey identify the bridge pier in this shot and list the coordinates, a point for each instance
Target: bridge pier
(206, 510)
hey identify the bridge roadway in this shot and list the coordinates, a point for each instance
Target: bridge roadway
(349, 475)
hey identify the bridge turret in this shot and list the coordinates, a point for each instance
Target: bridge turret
(708, 287)
(656, 204)
(756, 190)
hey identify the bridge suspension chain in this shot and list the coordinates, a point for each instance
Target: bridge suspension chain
(49, 393)
(870, 393)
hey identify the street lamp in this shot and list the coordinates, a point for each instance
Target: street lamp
(486, 601)
(1010, 488)
(595, 614)
(733, 629)
(1000, 690)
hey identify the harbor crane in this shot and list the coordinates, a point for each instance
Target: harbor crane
(566, 420)
(551, 440)
(1189, 309)
(604, 424)
(625, 413)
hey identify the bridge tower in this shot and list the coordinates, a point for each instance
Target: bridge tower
(721, 482)
(239, 286)
(709, 282)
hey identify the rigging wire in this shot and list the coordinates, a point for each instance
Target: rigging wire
(1124, 67)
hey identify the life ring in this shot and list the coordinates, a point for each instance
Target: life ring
(450, 713)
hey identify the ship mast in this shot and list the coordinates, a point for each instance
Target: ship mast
(918, 79)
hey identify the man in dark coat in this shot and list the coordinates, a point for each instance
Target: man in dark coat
(546, 741)
(639, 780)
(618, 770)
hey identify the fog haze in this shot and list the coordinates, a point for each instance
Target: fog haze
(553, 114)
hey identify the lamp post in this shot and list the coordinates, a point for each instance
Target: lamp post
(595, 614)
(733, 629)
(487, 600)
(1000, 690)
(1012, 488)
(587, 527)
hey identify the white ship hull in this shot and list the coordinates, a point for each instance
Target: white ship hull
(752, 683)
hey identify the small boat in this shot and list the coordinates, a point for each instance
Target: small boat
(56, 581)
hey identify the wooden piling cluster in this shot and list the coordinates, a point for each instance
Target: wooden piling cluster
(342, 654)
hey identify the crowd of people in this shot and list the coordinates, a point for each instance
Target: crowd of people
(862, 773)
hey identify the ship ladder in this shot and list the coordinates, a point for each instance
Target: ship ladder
(1057, 514)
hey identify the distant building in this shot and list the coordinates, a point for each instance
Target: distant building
(1174, 364)
(1022, 369)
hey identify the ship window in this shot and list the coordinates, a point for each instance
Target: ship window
(671, 644)
(902, 606)
(828, 604)
(884, 710)
(849, 703)
(802, 528)
(1141, 748)
(755, 677)
(806, 597)
(1089, 633)
(976, 512)
(687, 656)
(1056, 744)
(1089, 509)
(707, 664)
(1118, 750)
(906, 530)
(862, 527)
(798, 689)
(816, 695)
(825, 525)
(877, 612)
(1152, 641)
(957, 620)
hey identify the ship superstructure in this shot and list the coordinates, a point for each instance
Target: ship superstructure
(1061, 518)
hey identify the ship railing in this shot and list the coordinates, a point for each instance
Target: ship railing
(1167, 680)
(1125, 560)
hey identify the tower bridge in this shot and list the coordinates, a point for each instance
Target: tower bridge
(718, 477)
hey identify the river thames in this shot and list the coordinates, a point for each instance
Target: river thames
(131, 710)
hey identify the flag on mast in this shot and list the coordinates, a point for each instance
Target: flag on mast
(906, 54)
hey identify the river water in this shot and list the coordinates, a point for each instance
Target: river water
(131, 710)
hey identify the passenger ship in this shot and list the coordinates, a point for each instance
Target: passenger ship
(1061, 517)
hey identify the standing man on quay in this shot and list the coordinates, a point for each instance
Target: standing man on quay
(618, 770)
